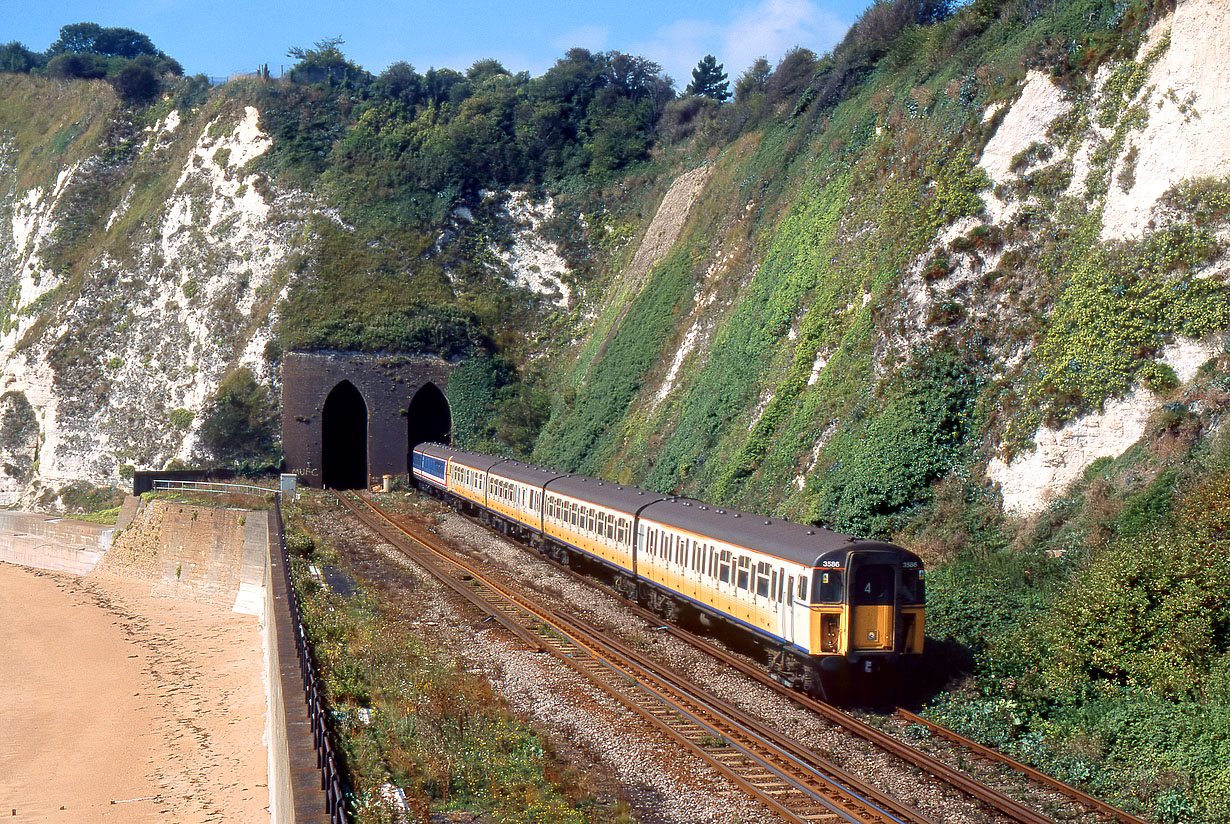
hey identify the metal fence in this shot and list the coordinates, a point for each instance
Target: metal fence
(313, 693)
(214, 487)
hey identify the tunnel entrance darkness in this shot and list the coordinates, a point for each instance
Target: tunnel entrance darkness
(428, 418)
(344, 438)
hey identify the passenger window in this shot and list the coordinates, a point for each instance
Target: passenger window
(745, 573)
(762, 579)
(724, 567)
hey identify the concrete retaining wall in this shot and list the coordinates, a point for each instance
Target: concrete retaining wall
(40, 541)
(281, 804)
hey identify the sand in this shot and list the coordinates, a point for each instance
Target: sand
(119, 706)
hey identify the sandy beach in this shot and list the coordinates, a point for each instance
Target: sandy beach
(120, 706)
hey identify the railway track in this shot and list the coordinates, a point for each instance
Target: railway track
(793, 782)
(908, 753)
(694, 722)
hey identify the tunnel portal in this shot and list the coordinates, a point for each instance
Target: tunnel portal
(350, 418)
(343, 439)
(427, 419)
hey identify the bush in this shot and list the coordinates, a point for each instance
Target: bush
(239, 424)
(76, 66)
(137, 84)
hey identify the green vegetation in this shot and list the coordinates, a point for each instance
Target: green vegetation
(239, 424)
(860, 340)
(124, 57)
(1107, 664)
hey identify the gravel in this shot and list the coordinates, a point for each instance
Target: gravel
(662, 783)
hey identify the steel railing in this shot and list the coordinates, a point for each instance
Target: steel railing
(331, 782)
(211, 487)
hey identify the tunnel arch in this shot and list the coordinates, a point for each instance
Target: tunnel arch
(344, 438)
(428, 418)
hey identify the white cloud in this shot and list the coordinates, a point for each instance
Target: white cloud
(774, 26)
(766, 29)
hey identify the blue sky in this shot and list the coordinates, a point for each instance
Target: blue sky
(222, 37)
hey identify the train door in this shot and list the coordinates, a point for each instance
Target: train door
(800, 614)
(873, 596)
(786, 604)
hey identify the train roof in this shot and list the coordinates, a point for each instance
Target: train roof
(627, 499)
(783, 539)
(525, 473)
(798, 543)
(474, 460)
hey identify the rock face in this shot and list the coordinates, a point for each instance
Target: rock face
(1184, 103)
(155, 306)
(745, 349)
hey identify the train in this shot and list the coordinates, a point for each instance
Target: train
(834, 614)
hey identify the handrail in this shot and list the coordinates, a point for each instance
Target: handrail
(160, 485)
(331, 778)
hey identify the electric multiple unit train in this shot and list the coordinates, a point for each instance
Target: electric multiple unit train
(828, 608)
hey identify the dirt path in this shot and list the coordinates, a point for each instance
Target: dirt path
(120, 706)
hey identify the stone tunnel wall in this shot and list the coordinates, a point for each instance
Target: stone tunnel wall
(387, 383)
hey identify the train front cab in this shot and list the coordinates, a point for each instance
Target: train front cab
(866, 618)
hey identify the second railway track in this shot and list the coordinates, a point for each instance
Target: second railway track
(788, 779)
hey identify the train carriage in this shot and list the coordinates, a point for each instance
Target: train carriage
(467, 477)
(515, 493)
(597, 519)
(825, 605)
(429, 464)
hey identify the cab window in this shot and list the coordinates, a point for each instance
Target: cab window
(873, 585)
(827, 587)
(912, 587)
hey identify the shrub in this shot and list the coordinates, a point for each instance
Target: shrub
(137, 84)
(239, 424)
(182, 418)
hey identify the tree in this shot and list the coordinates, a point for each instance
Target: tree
(753, 81)
(325, 62)
(240, 422)
(15, 57)
(482, 70)
(91, 38)
(76, 38)
(709, 80)
(137, 83)
(123, 43)
(400, 82)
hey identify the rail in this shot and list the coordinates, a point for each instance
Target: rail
(331, 783)
(796, 783)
